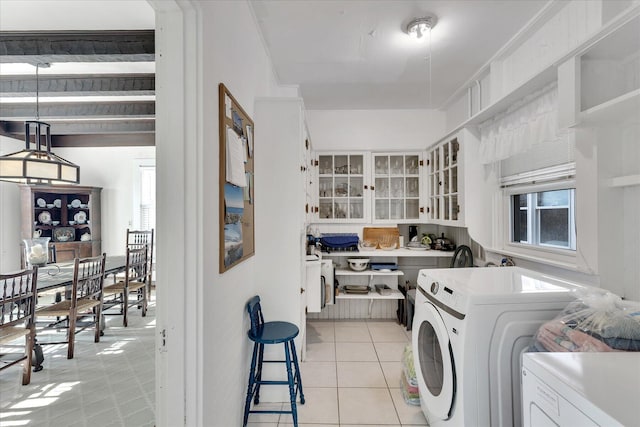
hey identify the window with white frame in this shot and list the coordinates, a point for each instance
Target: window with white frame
(147, 214)
(544, 218)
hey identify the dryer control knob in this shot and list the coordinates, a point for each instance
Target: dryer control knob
(434, 287)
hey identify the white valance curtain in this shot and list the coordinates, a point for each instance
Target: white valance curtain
(528, 122)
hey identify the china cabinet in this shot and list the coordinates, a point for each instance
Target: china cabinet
(69, 215)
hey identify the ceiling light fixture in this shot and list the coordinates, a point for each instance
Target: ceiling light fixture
(39, 166)
(420, 26)
(416, 29)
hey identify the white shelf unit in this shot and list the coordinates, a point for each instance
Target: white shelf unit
(373, 295)
(620, 109)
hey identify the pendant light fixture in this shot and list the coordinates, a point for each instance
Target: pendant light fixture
(39, 165)
(418, 28)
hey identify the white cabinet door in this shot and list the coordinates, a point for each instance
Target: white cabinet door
(342, 187)
(443, 182)
(397, 191)
(370, 187)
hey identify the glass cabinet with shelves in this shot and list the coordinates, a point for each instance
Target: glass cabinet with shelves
(396, 186)
(341, 186)
(69, 215)
(442, 181)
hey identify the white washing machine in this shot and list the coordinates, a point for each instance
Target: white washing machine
(581, 389)
(470, 327)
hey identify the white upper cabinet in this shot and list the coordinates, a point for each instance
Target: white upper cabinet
(397, 191)
(342, 190)
(443, 170)
(363, 187)
(609, 77)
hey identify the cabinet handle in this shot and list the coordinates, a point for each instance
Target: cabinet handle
(366, 187)
(315, 163)
(439, 182)
(315, 209)
(422, 209)
(302, 290)
(372, 188)
(306, 208)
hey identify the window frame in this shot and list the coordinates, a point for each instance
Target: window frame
(541, 252)
(534, 210)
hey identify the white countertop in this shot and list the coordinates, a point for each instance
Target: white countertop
(402, 252)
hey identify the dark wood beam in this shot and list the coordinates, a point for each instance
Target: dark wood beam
(69, 110)
(74, 85)
(77, 46)
(105, 140)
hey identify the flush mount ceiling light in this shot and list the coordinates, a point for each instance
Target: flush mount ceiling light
(420, 26)
(39, 165)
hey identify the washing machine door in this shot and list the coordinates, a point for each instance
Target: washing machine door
(434, 363)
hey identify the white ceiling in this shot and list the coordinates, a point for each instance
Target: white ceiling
(355, 55)
(347, 54)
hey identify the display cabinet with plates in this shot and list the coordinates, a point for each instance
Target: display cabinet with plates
(69, 215)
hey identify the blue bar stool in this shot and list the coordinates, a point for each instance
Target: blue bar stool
(262, 333)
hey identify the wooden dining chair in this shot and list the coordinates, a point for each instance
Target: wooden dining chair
(134, 283)
(136, 239)
(17, 308)
(85, 303)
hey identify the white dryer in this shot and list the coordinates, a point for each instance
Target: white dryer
(581, 389)
(470, 327)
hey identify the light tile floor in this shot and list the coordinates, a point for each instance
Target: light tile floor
(110, 383)
(351, 377)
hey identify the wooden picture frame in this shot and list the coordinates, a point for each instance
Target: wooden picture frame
(236, 189)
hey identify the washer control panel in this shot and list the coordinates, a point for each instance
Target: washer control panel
(440, 291)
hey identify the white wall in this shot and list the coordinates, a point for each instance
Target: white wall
(9, 213)
(233, 53)
(374, 129)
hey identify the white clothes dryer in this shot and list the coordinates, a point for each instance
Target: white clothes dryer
(581, 389)
(470, 327)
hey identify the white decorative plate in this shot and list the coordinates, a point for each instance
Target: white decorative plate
(75, 203)
(57, 203)
(44, 217)
(80, 217)
(41, 203)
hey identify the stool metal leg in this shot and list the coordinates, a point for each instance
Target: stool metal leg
(258, 380)
(292, 392)
(252, 380)
(298, 378)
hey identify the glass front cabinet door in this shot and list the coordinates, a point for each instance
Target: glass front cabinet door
(397, 189)
(341, 187)
(442, 180)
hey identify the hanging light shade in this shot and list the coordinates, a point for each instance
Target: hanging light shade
(39, 165)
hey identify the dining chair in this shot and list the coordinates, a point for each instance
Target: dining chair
(17, 307)
(274, 332)
(137, 239)
(85, 303)
(135, 282)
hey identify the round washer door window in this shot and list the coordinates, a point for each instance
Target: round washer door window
(434, 361)
(430, 357)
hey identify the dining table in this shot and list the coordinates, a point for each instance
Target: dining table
(60, 274)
